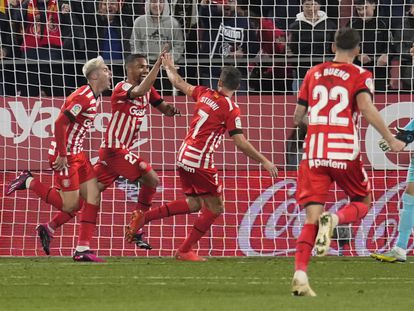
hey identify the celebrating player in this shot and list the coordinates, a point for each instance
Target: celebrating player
(129, 101)
(406, 224)
(331, 95)
(73, 172)
(214, 114)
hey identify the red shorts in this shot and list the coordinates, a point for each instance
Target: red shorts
(115, 162)
(200, 181)
(316, 176)
(79, 171)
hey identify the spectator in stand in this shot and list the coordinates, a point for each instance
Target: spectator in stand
(41, 41)
(74, 45)
(404, 42)
(10, 41)
(85, 11)
(268, 76)
(185, 11)
(10, 35)
(227, 38)
(375, 43)
(310, 38)
(41, 37)
(152, 32)
(115, 22)
(72, 31)
(392, 11)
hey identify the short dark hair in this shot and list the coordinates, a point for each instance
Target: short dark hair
(230, 76)
(362, 2)
(317, 1)
(131, 58)
(347, 39)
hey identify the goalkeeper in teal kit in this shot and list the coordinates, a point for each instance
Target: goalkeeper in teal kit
(398, 252)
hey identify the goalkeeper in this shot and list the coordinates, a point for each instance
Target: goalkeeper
(406, 224)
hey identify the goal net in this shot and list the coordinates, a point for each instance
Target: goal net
(43, 48)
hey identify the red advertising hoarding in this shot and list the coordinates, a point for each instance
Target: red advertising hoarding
(261, 216)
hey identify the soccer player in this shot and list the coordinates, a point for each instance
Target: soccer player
(332, 95)
(214, 114)
(73, 172)
(129, 100)
(406, 224)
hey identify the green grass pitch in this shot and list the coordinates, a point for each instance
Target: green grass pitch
(145, 284)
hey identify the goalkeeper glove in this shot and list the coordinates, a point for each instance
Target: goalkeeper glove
(403, 135)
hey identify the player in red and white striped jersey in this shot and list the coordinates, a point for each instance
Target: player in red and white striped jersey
(73, 172)
(332, 95)
(214, 114)
(129, 100)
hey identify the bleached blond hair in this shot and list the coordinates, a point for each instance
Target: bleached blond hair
(92, 65)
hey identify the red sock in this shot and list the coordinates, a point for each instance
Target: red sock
(304, 246)
(173, 208)
(201, 226)
(49, 195)
(146, 193)
(352, 212)
(87, 223)
(61, 218)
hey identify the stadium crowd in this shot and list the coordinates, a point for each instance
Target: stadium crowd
(45, 42)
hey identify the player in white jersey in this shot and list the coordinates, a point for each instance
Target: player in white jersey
(73, 172)
(332, 95)
(214, 114)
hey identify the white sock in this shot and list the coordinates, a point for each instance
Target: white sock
(301, 276)
(28, 181)
(82, 248)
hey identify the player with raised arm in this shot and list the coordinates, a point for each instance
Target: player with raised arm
(214, 114)
(406, 223)
(332, 95)
(73, 172)
(129, 100)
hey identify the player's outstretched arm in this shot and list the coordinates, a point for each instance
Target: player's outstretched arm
(371, 114)
(146, 84)
(168, 109)
(247, 148)
(176, 80)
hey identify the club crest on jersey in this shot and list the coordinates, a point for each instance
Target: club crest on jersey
(135, 111)
(76, 109)
(66, 183)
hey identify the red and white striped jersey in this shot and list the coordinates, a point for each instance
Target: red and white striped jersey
(329, 91)
(80, 107)
(214, 114)
(127, 115)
